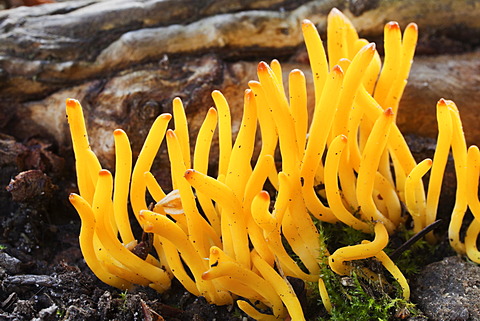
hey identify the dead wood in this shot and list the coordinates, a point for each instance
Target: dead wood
(126, 60)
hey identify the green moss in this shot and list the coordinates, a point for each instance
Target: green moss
(358, 297)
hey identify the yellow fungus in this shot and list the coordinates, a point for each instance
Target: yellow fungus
(145, 161)
(338, 259)
(333, 191)
(439, 162)
(86, 244)
(368, 167)
(333, 169)
(416, 207)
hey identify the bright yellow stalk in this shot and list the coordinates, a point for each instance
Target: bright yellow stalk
(357, 252)
(393, 51)
(181, 130)
(239, 168)
(222, 265)
(159, 279)
(281, 286)
(473, 171)
(224, 131)
(416, 207)
(80, 145)
(86, 237)
(200, 232)
(123, 168)
(333, 191)
(144, 162)
(254, 313)
(267, 127)
(368, 167)
(277, 70)
(351, 83)
(318, 134)
(471, 238)
(161, 225)
(298, 106)
(440, 157)
(318, 59)
(394, 270)
(459, 151)
(271, 231)
(200, 163)
(409, 43)
(336, 37)
(233, 220)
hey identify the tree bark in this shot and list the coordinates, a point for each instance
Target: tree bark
(126, 60)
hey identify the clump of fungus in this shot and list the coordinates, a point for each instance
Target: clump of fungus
(223, 237)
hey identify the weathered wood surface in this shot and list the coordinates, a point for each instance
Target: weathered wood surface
(126, 60)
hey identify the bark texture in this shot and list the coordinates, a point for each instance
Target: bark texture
(126, 60)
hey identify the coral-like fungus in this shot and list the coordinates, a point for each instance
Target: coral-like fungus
(225, 237)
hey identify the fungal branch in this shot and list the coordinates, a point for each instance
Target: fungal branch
(225, 237)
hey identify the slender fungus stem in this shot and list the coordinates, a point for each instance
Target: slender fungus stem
(225, 131)
(80, 145)
(181, 130)
(368, 167)
(393, 50)
(144, 162)
(298, 106)
(123, 168)
(473, 171)
(357, 252)
(318, 58)
(318, 134)
(333, 191)
(459, 151)
(87, 245)
(394, 270)
(439, 162)
(416, 207)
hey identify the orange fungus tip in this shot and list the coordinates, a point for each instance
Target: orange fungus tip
(412, 25)
(117, 132)
(104, 172)
(170, 133)
(393, 25)
(71, 103)
(262, 66)
(337, 69)
(344, 138)
(166, 116)
(389, 112)
(188, 173)
(264, 195)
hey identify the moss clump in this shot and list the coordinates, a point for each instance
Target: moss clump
(362, 296)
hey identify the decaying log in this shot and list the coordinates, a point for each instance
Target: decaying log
(126, 60)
